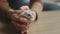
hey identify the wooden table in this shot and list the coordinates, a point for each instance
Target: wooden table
(48, 23)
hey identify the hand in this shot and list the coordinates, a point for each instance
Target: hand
(21, 23)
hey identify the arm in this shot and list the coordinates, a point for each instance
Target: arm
(36, 5)
(4, 7)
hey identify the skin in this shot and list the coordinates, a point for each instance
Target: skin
(8, 12)
(33, 4)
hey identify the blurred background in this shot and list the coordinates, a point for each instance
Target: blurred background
(51, 4)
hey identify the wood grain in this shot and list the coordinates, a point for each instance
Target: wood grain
(48, 23)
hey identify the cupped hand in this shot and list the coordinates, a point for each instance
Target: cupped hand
(21, 23)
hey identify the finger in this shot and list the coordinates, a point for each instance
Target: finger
(15, 17)
(24, 8)
(18, 11)
(24, 20)
(14, 11)
(11, 11)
